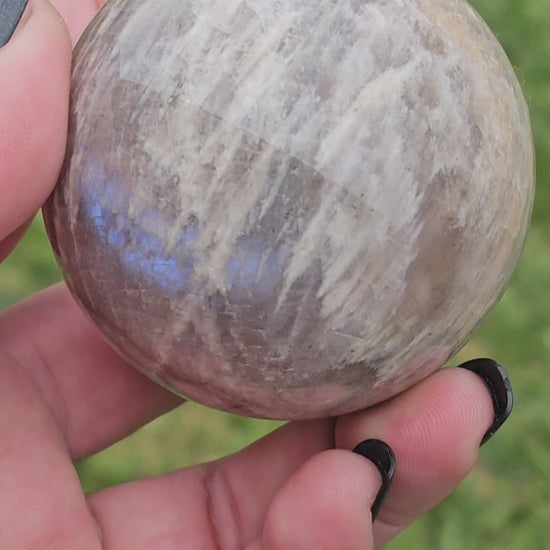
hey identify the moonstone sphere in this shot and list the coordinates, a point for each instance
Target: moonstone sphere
(291, 208)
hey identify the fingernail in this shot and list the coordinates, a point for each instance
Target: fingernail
(10, 15)
(497, 382)
(383, 458)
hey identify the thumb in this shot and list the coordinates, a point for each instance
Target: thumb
(34, 97)
(325, 504)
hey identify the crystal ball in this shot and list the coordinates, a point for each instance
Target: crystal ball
(291, 208)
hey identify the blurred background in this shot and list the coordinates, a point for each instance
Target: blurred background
(505, 502)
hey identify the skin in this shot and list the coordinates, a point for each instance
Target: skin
(65, 394)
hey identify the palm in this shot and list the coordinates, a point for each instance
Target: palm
(65, 395)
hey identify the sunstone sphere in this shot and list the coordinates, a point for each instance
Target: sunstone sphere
(291, 208)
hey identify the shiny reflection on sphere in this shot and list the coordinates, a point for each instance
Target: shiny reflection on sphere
(291, 208)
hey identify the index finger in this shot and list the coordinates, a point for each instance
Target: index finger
(34, 97)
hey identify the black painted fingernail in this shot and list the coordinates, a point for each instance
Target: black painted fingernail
(496, 379)
(10, 15)
(383, 458)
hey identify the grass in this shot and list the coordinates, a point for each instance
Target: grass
(505, 502)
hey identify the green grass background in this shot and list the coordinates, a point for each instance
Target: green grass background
(505, 503)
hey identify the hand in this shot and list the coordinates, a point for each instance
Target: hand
(65, 394)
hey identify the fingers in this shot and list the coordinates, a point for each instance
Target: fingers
(94, 395)
(292, 489)
(41, 501)
(34, 97)
(291, 502)
(253, 477)
(34, 72)
(220, 505)
(324, 505)
(435, 430)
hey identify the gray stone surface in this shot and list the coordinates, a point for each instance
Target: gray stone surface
(291, 208)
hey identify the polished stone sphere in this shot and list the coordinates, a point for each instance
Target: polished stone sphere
(291, 208)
